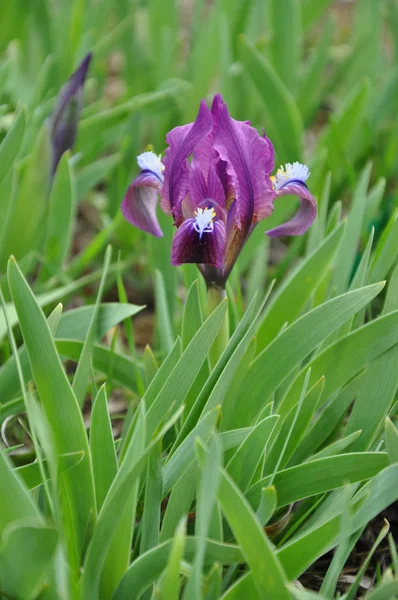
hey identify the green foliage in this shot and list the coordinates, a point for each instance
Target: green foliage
(164, 468)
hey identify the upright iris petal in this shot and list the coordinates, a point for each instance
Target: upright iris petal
(65, 116)
(182, 142)
(247, 156)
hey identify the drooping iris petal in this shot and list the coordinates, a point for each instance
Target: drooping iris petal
(182, 142)
(304, 217)
(248, 157)
(189, 246)
(65, 116)
(139, 204)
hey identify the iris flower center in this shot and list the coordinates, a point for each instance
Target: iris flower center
(204, 220)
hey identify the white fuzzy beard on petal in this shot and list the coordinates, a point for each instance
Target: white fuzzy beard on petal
(204, 220)
(149, 161)
(290, 172)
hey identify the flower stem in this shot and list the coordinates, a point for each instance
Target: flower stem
(215, 295)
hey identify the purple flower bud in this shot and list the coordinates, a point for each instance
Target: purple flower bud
(65, 116)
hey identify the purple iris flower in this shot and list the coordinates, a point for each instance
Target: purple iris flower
(65, 116)
(215, 182)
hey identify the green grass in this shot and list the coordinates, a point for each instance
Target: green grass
(187, 469)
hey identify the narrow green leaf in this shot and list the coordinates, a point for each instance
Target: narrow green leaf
(169, 588)
(109, 549)
(27, 553)
(125, 482)
(346, 358)
(163, 317)
(351, 595)
(338, 446)
(391, 437)
(102, 447)
(15, 501)
(83, 368)
(54, 296)
(11, 144)
(61, 212)
(61, 408)
(292, 428)
(311, 89)
(152, 502)
(285, 22)
(298, 554)
(163, 373)
(320, 475)
(346, 254)
(75, 324)
(179, 502)
(385, 591)
(244, 462)
(186, 370)
(8, 193)
(302, 594)
(144, 571)
(206, 499)
(215, 391)
(329, 583)
(268, 504)
(283, 116)
(386, 251)
(27, 216)
(312, 10)
(293, 345)
(265, 567)
(300, 285)
(192, 315)
(184, 456)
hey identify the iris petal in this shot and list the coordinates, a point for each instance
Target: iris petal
(249, 158)
(139, 204)
(182, 142)
(189, 247)
(305, 215)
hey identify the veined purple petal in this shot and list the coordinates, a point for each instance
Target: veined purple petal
(189, 246)
(304, 217)
(215, 188)
(182, 142)
(205, 153)
(269, 164)
(200, 190)
(139, 204)
(65, 116)
(248, 157)
(198, 185)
